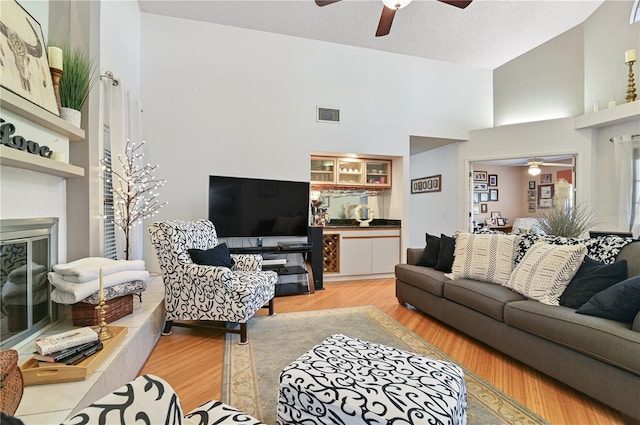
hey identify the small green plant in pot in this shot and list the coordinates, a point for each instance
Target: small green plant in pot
(567, 219)
(80, 74)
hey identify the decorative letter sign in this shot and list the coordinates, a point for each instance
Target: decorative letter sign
(18, 142)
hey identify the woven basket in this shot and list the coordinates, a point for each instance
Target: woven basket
(11, 385)
(85, 314)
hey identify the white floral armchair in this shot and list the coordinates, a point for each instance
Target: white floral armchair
(149, 399)
(213, 293)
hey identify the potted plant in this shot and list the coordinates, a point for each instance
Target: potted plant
(564, 219)
(80, 74)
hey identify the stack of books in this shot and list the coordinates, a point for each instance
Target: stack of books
(68, 348)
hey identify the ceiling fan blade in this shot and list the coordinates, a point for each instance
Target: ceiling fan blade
(457, 3)
(384, 26)
(325, 2)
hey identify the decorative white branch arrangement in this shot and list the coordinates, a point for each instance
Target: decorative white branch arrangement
(135, 196)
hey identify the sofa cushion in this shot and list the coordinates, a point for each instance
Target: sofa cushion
(591, 278)
(620, 302)
(217, 256)
(546, 270)
(425, 278)
(484, 257)
(429, 257)
(445, 256)
(484, 297)
(605, 340)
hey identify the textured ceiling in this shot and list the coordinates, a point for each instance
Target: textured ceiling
(486, 34)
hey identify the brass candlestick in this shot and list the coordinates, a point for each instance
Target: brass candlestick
(103, 332)
(56, 75)
(631, 85)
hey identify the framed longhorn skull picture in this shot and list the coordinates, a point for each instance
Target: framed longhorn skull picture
(24, 67)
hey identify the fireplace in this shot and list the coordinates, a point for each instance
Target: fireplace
(28, 250)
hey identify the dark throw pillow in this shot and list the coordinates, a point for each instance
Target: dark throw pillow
(429, 257)
(218, 256)
(620, 302)
(445, 256)
(592, 277)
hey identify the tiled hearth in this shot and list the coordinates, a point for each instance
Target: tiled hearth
(52, 403)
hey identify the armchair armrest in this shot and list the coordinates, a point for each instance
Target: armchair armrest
(247, 262)
(216, 412)
(205, 275)
(147, 399)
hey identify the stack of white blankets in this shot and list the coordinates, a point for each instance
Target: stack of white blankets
(80, 279)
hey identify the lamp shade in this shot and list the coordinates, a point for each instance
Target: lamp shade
(534, 170)
(396, 4)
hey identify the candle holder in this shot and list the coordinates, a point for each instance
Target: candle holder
(56, 75)
(631, 85)
(103, 332)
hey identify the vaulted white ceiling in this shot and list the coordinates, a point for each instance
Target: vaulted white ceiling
(487, 34)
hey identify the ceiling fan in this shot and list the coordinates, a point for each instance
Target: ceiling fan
(389, 11)
(534, 165)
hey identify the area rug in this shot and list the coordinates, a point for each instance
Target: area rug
(251, 371)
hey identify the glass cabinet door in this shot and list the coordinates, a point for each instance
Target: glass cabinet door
(323, 170)
(350, 172)
(378, 173)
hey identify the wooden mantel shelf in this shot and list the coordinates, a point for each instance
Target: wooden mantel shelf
(13, 103)
(621, 113)
(20, 159)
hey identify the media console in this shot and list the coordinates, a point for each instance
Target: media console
(300, 274)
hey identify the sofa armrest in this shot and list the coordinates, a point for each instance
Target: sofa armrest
(636, 323)
(631, 253)
(413, 255)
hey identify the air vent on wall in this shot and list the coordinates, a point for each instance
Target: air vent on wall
(328, 115)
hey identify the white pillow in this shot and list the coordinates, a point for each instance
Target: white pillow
(545, 271)
(484, 257)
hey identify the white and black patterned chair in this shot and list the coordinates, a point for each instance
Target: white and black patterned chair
(209, 293)
(149, 399)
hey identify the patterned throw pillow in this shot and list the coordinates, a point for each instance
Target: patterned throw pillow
(545, 271)
(484, 257)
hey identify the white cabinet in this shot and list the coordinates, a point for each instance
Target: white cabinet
(367, 252)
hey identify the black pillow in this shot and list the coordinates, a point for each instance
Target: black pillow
(620, 302)
(429, 257)
(218, 256)
(591, 278)
(445, 256)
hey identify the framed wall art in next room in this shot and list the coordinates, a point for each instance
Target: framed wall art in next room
(23, 56)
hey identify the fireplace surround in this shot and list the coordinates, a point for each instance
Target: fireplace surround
(28, 250)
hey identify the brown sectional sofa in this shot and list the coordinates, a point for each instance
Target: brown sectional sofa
(596, 356)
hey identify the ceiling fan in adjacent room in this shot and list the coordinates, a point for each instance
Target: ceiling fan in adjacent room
(389, 11)
(534, 165)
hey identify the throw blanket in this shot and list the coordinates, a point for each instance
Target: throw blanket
(88, 269)
(70, 293)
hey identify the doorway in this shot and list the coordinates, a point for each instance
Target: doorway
(504, 190)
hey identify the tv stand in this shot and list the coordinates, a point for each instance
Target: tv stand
(287, 283)
(312, 251)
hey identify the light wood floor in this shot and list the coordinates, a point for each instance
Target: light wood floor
(191, 359)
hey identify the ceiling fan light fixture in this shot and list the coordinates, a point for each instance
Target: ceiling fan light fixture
(396, 4)
(534, 170)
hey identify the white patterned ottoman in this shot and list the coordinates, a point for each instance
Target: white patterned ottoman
(349, 381)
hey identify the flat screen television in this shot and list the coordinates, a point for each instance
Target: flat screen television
(246, 207)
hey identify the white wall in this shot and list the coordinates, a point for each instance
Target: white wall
(553, 90)
(435, 212)
(228, 101)
(608, 35)
(120, 50)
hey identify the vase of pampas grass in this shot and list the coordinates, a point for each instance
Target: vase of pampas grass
(80, 74)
